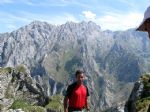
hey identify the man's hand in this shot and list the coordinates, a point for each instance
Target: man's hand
(87, 110)
(65, 104)
(65, 110)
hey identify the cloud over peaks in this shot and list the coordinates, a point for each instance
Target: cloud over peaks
(89, 15)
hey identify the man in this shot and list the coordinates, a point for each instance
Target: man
(145, 25)
(76, 99)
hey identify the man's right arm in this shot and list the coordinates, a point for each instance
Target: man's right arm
(66, 104)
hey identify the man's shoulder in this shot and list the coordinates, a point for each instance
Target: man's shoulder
(73, 85)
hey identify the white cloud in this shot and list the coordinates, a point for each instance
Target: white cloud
(119, 21)
(89, 15)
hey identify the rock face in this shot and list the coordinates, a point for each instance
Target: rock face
(17, 85)
(112, 60)
(139, 100)
(21, 93)
(5, 79)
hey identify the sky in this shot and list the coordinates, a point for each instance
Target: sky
(108, 14)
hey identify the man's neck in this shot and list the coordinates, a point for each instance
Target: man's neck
(79, 83)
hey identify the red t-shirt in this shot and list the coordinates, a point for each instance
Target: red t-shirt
(77, 95)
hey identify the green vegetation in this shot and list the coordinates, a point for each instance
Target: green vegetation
(19, 104)
(1, 107)
(33, 109)
(26, 106)
(72, 65)
(56, 65)
(61, 67)
(146, 81)
(6, 70)
(21, 69)
(145, 78)
(143, 103)
(55, 103)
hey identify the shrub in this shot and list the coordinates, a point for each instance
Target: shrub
(147, 86)
(143, 104)
(6, 70)
(145, 78)
(19, 104)
(21, 69)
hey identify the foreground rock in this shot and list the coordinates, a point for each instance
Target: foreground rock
(20, 93)
(139, 100)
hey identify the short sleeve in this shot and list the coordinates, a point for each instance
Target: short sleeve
(70, 89)
(68, 92)
(87, 91)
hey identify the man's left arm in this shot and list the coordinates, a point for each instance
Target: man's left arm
(87, 104)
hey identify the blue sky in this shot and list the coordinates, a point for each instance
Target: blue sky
(109, 14)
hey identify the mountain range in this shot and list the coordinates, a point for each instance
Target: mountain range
(112, 61)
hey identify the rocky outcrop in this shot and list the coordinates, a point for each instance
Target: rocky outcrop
(139, 100)
(18, 86)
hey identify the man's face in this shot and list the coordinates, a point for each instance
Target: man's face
(80, 78)
(147, 26)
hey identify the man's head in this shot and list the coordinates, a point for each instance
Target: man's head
(145, 25)
(79, 76)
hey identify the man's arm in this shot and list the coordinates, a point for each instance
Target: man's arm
(87, 104)
(66, 104)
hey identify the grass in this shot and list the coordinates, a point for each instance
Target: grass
(25, 106)
(143, 104)
(19, 104)
(55, 103)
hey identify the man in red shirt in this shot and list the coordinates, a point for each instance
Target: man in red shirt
(76, 99)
